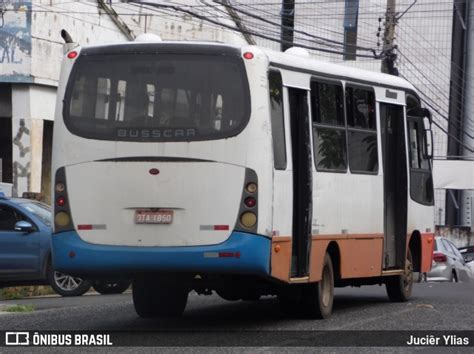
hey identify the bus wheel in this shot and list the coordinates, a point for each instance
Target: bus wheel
(399, 287)
(228, 295)
(152, 299)
(318, 298)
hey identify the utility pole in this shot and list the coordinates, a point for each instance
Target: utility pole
(388, 63)
(287, 24)
(455, 208)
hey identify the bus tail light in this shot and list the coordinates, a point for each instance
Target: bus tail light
(250, 202)
(72, 55)
(62, 219)
(248, 55)
(439, 257)
(61, 201)
(62, 214)
(248, 214)
(251, 188)
(248, 219)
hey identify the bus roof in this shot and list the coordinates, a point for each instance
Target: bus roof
(280, 59)
(331, 70)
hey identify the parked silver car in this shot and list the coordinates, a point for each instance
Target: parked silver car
(448, 263)
(468, 254)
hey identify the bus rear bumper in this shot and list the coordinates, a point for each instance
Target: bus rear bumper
(241, 253)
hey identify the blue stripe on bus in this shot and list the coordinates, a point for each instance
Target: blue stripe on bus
(254, 256)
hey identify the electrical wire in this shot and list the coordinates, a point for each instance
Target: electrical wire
(204, 18)
(319, 38)
(457, 123)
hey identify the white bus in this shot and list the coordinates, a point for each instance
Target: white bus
(238, 170)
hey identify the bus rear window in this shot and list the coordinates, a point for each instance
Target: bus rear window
(157, 97)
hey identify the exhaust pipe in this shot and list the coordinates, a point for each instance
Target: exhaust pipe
(69, 43)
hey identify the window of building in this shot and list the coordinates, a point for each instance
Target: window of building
(329, 130)
(361, 130)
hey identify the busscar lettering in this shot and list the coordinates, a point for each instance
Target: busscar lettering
(155, 133)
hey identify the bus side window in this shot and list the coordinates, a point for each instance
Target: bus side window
(421, 180)
(329, 130)
(362, 131)
(276, 114)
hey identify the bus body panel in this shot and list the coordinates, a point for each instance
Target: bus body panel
(241, 253)
(200, 196)
(204, 193)
(347, 204)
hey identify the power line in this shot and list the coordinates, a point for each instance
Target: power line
(408, 9)
(319, 38)
(451, 121)
(205, 18)
(428, 103)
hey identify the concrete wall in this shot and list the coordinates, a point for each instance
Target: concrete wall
(15, 42)
(30, 106)
(83, 20)
(175, 25)
(88, 24)
(460, 236)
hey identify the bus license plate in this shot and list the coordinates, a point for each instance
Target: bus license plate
(153, 217)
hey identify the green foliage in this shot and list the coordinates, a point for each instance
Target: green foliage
(20, 308)
(20, 292)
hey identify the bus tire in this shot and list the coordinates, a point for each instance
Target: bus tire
(318, 298)
(399, 287)
(228, 295)
(152, 299)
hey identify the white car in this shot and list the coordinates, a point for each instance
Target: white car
(468, 255)
(448, 263)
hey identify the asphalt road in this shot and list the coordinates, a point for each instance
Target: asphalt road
(434, 306)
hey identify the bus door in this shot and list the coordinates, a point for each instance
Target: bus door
(395, 184)
(302, 181)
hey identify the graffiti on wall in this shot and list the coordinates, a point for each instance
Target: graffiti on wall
(21, 158)
(15, 41)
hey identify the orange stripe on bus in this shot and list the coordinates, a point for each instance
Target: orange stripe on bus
(427, 246)
(361, 255)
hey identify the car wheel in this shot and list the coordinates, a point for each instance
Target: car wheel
(67, 285)
(106, 288)
(399, 287)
